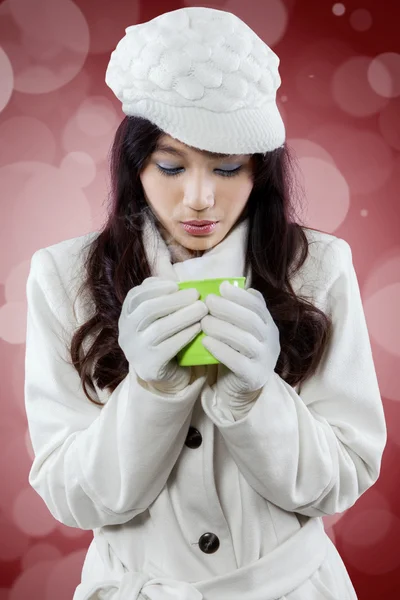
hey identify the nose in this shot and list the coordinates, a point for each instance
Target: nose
(199, 193)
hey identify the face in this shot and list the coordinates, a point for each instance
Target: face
(183, 183)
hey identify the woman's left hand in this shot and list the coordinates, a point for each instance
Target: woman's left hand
(242, 335)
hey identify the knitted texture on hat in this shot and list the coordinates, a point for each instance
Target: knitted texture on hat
(196, 68)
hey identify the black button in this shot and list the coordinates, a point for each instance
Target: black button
(209, 543)
(193, 438)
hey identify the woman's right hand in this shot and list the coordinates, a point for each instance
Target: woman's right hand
(157, 320)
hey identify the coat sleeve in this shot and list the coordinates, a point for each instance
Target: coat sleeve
(93, 465)
(317, 452)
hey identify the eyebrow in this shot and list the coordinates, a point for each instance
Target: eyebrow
(167, 149)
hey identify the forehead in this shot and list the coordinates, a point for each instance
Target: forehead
(168, 145)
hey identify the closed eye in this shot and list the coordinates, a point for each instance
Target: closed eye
(175, 172)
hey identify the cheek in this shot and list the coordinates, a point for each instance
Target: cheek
(157, 193)
(240, 191)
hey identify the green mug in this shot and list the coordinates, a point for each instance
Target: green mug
(195, 353)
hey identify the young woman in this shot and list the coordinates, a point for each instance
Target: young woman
(207, 482)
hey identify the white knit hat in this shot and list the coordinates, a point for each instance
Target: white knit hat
(202, 76)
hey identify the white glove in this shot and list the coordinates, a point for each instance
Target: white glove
(242, 335)
(157, 320)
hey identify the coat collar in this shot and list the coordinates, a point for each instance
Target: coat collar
(226, 259)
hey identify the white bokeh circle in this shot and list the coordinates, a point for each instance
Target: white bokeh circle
(6, 78)
(352, 91)
(384, 74)
(338, 9)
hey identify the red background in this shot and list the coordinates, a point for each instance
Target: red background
(340, 100)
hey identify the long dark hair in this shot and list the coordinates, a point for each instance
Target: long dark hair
(116, 261)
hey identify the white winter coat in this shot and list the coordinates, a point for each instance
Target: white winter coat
(152, 473)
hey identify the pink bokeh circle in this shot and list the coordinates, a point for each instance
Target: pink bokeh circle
(91, 129)
(56, 106)
(367, 527)
(352, 91)
(55, 204)
(28, 503)
(389, 123)
(65, 576)
(14, 469)
(271, 30)
(41, 195)
(14, 542)
(313, 67)
(327, 193)
(96, 116)
(73, 532)
(384, 74)
(108, 26)
(39, 552)
(80, 166)
(364, 158)
(361, 19)
(385, 331)
(53, 44)
(25, 138)
(32, 582)
(13, 322)
(370, 540)
(306, 148)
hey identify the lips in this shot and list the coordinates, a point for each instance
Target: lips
(199, 223)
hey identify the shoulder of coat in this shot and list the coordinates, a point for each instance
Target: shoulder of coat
(62, 272)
